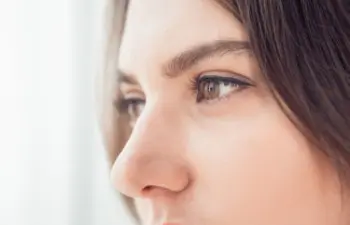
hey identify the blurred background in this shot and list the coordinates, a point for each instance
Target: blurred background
(53, 168)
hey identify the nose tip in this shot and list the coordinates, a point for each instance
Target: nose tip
(148, 176)
(151, 162)
(123, 179)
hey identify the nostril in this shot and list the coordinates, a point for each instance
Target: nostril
(147, 188)
(153, 191)
(146, 191)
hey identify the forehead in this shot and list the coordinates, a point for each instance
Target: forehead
(157, 30)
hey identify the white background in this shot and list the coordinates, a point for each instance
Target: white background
(53, 168)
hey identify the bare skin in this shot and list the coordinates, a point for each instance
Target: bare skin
(221, 152)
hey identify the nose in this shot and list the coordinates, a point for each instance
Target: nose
(152, 162)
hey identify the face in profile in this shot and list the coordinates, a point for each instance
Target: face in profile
(210, 144)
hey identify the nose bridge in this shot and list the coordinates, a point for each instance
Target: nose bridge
(150, 157)
(156, 127)
(155, 120)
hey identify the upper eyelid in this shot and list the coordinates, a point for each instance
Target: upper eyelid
(228, 75)
(123, 77)
(127, 88)
(201, 68)
(131, 91)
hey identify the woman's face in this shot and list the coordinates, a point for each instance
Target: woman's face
(210, 145)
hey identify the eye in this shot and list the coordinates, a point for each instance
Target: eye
(132, 107)
(213, 87)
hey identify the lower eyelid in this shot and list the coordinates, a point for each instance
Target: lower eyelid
(213, 101)
(227, 96)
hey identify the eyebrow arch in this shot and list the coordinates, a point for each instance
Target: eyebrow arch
(193, 56)
(187, 59)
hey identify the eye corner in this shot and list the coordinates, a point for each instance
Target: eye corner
(119, 105)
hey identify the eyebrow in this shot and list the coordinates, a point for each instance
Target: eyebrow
(189, 58)
(193, 56)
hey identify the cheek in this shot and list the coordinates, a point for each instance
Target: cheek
(258, 166)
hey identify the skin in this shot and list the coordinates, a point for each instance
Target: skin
(233, 160)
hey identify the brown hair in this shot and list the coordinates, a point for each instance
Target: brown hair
(303, 50)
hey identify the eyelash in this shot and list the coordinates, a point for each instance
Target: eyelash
(236, 82)
(123, 104)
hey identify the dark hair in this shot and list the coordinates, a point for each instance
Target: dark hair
(303, 50)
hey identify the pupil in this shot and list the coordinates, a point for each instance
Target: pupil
(211, 90)
(134, 109)
(211, 87)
